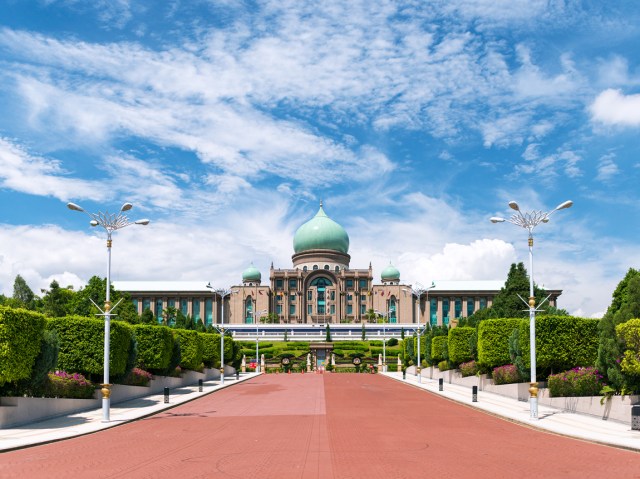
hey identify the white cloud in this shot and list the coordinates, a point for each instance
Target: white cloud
(612, 107)
(607, 168)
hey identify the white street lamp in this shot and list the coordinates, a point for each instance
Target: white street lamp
(257, 338)
(529, 221)
(418, 291)
(223, 293)
(110, 222)
(384, 338)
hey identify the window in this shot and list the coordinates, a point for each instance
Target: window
(470, 306)
(208, 312)
(309, 309)
(363, 284)
(393, 318)
(184, 306)
(146, 304)
(293, 283)
(433, 311)
(363, 297)
(304, 268)
(483, 303)
(326, 266)
(171, 303)
(278, 308)
(458, 307)
(248, 310)
(292, 298)
(333, 295)
(279, 283)
(337, 269)
(350, 283)
(196, 310)
(159, 310)
(333, 309)
(292, 309)
(349, 297)
(349, 309)
(309, 295)
(363, 308)
(445, 311)
(315, 267)
(135, 304)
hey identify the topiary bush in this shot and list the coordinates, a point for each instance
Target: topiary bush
(469, 369)
(629, 334)
(211, 349)
(82, 345)
(459, 344)
(443, 365)
(439, 349)
(21, 334)
(493, 341)
(155, 344)
(190, 349)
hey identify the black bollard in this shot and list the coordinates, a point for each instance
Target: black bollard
(474, 393)
(441, 384)
(404, 374)
(237, 376)
(200, 385)
(166, 395)
(635, 418)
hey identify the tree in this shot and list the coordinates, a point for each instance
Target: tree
(328, 336)
(169, 316)
(22, 293)
(147, 317)
(625, 305)
(56, 302)
(95, 291)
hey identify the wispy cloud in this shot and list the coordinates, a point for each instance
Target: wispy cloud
(612, 107)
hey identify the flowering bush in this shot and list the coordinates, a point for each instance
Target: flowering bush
(138, 377)
(65, 385)
(576, 382)
(506, 374)
(469, 369)
(443, 365)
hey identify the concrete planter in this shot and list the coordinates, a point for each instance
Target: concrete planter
(617, 408)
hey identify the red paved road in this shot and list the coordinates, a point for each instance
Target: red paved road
(321, 426)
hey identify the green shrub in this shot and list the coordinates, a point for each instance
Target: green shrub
(507, 374)
(211, 349)
(137, 377)
(459, 344)
(576, 382)
(443, 365)
(469, 369)
(493, 341)
(438, 349)
(82, 345)
(392, 342)
(21, 334)
(629, 335)
(155, 344)
(190, 349)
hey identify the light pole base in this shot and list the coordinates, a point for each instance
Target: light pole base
(106, 402)
(533, 401)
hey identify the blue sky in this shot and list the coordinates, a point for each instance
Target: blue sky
(226, 122)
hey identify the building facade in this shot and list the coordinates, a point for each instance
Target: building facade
(320, 288)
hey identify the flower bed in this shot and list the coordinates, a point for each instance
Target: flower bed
(576, 382)
(468, 369)
(138, 377)
(66, 385)
(506, 375)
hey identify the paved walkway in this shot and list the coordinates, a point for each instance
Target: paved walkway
(322, 426)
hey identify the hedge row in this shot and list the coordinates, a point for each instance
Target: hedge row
(493, 341)
(21, 334)
(459, 344)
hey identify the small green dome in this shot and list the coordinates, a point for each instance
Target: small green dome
(390, 273)
(251, 275)
(321, 232)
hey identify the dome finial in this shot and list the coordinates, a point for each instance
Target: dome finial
(320, 203)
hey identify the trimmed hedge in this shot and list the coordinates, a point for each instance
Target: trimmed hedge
(190, 349)
(21, 335)
(493, 341)
(629, 334)
(438, 349)
(211, 349)
(82, 345)
(562, 342)
(155, 344)
(459, 344)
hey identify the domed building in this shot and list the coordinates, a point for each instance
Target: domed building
(319, 288)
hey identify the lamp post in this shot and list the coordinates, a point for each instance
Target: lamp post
(257, 346)
(110, 222)
(384, 338)
(529, 221)
(418, 291)
(223, 293)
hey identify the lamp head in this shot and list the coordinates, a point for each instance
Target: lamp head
(93, 223)
(566, 204)
(496, 219)
(143, 222)
(74, 207)
(514, 206)
(126, 207)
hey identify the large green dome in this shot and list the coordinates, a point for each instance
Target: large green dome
(321, 232)
(390, 273)
(251, 274)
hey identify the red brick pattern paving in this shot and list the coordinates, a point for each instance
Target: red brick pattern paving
(347, 426)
